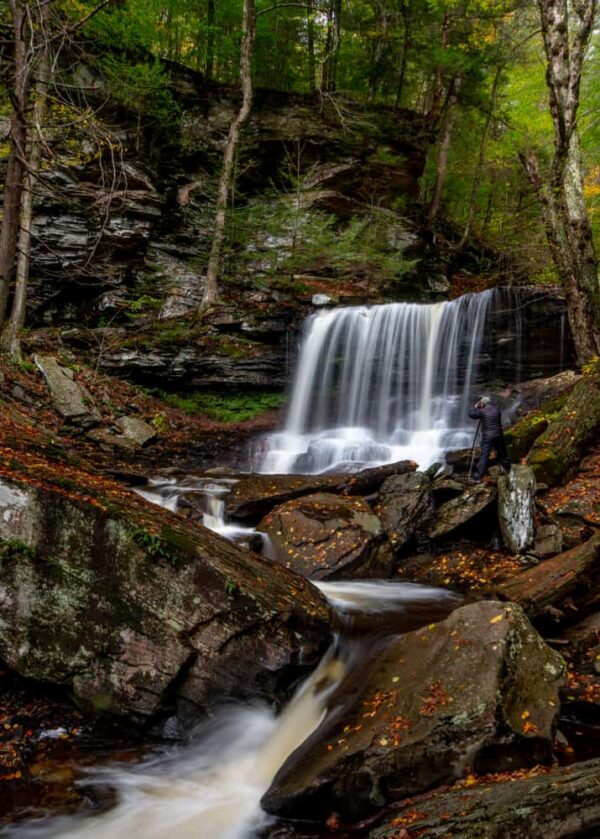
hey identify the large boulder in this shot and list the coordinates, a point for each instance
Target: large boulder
(404, 505)
(457, 511)
(479, 691)
(133, 608)
(516, 508)
(326, 537)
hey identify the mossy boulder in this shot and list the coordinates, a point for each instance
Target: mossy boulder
(134, 609)
(571, 432)
(478, 690)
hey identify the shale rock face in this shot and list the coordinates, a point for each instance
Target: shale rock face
(479, 690)
(135, 609)
(327, 537)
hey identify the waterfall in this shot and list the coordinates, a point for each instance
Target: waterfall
(381, 383)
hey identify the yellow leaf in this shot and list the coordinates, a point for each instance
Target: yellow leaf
(524, 715)
(497, 618)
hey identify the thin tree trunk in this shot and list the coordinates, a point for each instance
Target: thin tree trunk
(442, 166)
(332, 43)
(380, 44)
(210, 39)
(11, 342)
(13, 188)
(310, 30)
(211, 289)
(481, 159)
(403, 62)
(436, 110)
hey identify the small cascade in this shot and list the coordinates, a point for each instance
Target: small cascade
(381, 383)
(212, 787)
(209, 496)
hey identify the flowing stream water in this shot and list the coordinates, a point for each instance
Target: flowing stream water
(211, 788)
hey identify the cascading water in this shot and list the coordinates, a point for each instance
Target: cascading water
(211, 788)
(379, 384)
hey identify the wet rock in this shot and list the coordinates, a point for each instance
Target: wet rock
(327, 537)
(457, 511)
(584, 634)
(570, 576)
(70, 399)
(479, 690)
(134, 609)
(548, 541)
(253, 496)
(571, 433)
(516, 508)
(518, 400)
(405, 504)
(139, 432)
(550, 804)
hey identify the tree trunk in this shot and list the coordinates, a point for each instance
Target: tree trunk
(551, 582)
(13, 188)
(403, 61)
(210, 39)
(442, 165)
(310, 34)
(332, 43)
(566, 30)
(481, 159)
(11, 342)
(380, 44)
(211, 289)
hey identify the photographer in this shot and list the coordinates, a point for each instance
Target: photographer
(490, 418)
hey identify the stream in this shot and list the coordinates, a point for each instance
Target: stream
(211, 787)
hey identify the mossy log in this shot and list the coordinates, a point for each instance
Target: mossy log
(567, 437)
(549, 583)
(564, 802)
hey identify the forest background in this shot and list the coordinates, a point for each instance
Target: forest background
(471, 73)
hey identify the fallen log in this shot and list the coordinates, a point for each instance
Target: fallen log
(560, 803)
(568, 437)
(549, 583)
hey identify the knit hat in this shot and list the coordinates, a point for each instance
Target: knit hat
(485, 400)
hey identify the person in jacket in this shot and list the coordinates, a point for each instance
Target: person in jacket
(492, 437)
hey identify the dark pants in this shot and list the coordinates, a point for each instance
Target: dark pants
(499, 445)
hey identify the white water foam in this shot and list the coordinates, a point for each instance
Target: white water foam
(378, 384)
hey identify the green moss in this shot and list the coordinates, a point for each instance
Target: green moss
(224, 407)
(521, 437)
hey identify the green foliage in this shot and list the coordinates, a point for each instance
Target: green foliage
(230, 586)
(224, 407)
(154, 546)
(15, 549)
(284, 235)
(160, 423)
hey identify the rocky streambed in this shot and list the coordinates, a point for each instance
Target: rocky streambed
(391, 652)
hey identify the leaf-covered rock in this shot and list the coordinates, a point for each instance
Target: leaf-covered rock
(326, 536)
(478, 690)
